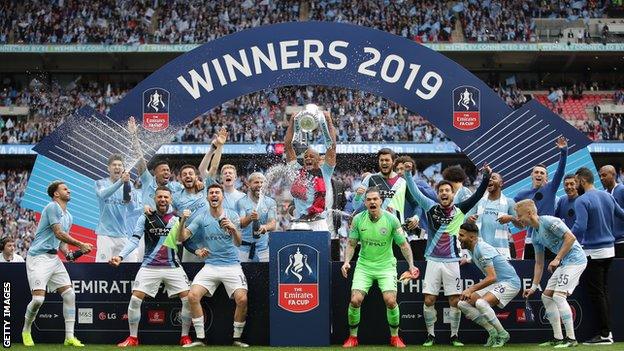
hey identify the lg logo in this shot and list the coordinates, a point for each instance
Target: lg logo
(104, 316)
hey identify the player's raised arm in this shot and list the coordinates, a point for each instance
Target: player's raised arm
(330, 154)
(104, 192)
(185, 232)
(291, 155)
(210, 163)
(136, 145)
(562, 145)
(465, 206)
(181, 226)
(422, 200)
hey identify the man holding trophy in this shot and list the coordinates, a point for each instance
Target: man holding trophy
(311, 189)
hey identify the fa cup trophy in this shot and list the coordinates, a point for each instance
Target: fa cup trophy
(307, 120)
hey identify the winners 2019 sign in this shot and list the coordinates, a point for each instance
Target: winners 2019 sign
(307, 53)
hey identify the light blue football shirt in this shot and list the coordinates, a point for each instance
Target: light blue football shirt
(149, 188)
(485, 255)
(462, 195)
(490, 230)
(113, 210)
(267, 209)
(195, 202)
(45, 241)
(231, 198)
(550, 235)
(207, 233)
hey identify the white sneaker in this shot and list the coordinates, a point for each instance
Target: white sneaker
(194, 344)
(599, 340)
(239, 343)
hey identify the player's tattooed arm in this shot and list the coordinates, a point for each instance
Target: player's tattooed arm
(66, 238)
(181, 227)
(423, 201)
(350, 251)
(406, 250)
(64, 249)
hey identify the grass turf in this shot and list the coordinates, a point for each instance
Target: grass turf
(510, 347)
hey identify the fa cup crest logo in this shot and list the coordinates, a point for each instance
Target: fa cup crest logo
(296, 262)
(156, 109)
(298, 286)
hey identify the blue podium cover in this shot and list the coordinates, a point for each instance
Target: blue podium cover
(299, 283)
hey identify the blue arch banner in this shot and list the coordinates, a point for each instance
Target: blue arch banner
(319, 53)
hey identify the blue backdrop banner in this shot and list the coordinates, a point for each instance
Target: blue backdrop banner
(318, 53)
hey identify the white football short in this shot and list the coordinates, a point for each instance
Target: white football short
(148, 280)
(565, 278)
(232, 278)
(503, 291)
(108, 247)
(46, 270)
(442, 274)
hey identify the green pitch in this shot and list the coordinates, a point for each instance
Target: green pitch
(510, 347)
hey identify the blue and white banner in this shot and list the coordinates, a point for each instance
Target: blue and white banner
(317, 53)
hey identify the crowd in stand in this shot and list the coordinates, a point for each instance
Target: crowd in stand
(360, 117)
(255, 118)
(137, 22)
(423, 21)
(607, 126)
(15, 221)
(261, 117)
(514, 20)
